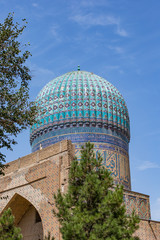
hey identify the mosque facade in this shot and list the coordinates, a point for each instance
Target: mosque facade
(74, 108)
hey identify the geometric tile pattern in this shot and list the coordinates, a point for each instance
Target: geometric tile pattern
(143, 207)
(132, 203)
(139, 203)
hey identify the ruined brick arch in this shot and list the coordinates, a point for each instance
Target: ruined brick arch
(27, 217)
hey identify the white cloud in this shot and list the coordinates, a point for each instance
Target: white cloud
(112, 67)
(121, 31)
(51, 39)
(54, 31)
(43, 50)
(34, 4)
(93, 3)
(44, 71)
(40, 75)
(152, 133)
(90, 20)
(147, 165)
(121, 71)
(117, 49)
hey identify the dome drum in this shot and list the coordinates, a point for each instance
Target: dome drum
(80, 124)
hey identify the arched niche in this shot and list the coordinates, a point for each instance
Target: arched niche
(26, 217)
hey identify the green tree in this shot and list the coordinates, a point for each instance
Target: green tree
(93, 208)
(7, 229)
(16, 112)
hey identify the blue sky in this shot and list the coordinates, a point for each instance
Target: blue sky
(116, 39)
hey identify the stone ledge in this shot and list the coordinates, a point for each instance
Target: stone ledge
(38, 156)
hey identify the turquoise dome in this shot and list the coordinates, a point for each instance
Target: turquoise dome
(81, 106)
(80, 98)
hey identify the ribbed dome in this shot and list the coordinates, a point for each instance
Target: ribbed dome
(78, 98)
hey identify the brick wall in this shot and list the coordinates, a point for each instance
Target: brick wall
(32, 180)
(36, 177)
(148, 230)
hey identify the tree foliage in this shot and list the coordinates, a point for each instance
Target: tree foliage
(7, 229)
(16, 112)
(93, 207)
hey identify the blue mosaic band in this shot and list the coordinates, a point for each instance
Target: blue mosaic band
(81, 137)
